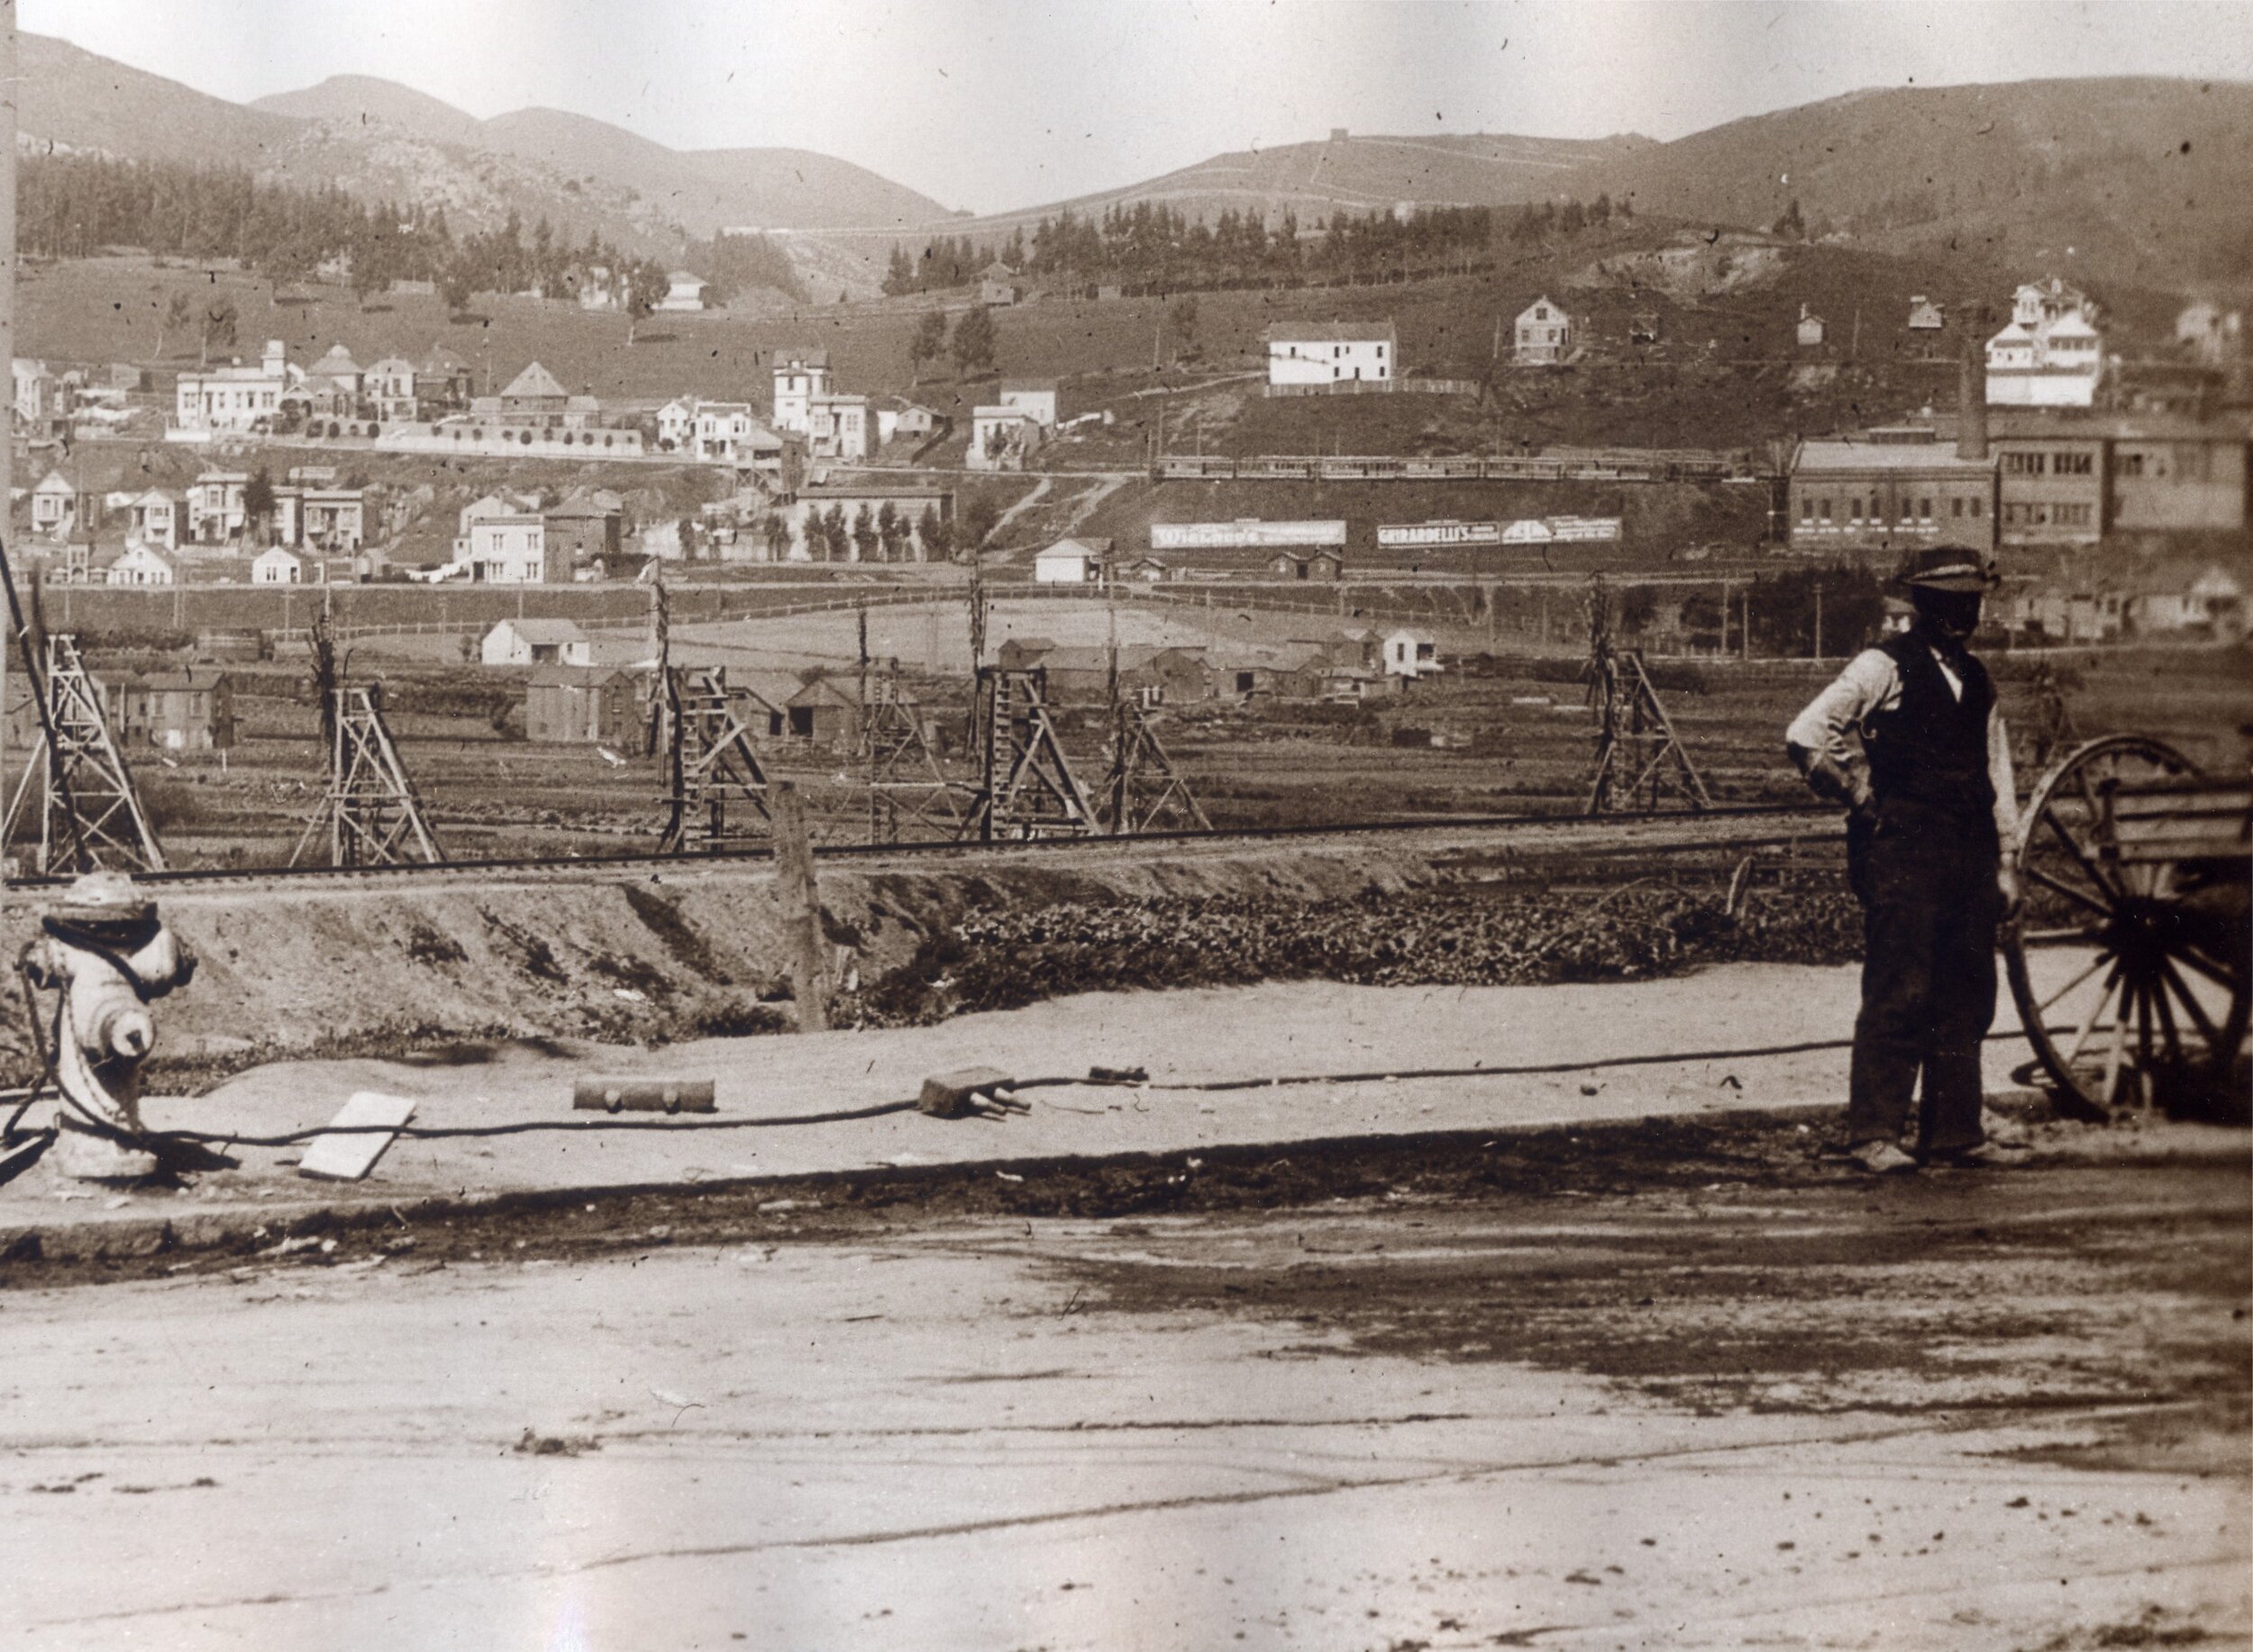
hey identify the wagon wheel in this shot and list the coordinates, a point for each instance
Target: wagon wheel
(2130, 976)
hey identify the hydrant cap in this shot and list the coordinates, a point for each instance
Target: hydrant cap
(103, 898)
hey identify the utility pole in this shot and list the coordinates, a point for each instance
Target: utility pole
(1745, 639)
(801, 909)
(1818, 619)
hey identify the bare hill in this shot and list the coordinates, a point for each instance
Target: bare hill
(711, 189)
(367, 99)
(76, 100)
(377, 139)
(2124, 179)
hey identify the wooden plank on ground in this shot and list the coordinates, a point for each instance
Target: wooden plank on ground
(355, 1138)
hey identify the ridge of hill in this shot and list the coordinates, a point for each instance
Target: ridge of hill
(74, 99)
(1342, 174)
(380, 139)
(711, 189)
(2122, 180)
(365, 99)
(2137, 179)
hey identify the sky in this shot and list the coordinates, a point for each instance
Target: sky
(995, 104)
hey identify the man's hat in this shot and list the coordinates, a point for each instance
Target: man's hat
(1946, 568)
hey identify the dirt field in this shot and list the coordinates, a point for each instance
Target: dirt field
(1633, 1386)
(1515, 740)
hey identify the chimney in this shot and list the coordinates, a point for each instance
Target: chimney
(1971, 407)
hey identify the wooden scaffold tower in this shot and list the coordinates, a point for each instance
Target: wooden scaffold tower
(910, 797)
(1145, 792)
(1639, 761)
(1025, 786)
(90, 814)
(715, 787)
(371, 811)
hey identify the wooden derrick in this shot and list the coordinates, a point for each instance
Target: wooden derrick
(910, 799)
(1638, 761)
(90, 814)
(716, 788)
(1145, 792)
(1025, 786)
(371, 810)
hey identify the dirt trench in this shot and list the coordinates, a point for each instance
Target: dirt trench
(641, 958)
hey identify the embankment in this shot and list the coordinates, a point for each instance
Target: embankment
(300, 969)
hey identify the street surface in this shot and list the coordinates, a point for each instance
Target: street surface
(1652, 1386)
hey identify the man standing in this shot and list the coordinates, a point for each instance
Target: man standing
(1932, 800)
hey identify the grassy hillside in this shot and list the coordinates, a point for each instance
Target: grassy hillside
(1354, 174)
(2133, 180)
(1724, 372)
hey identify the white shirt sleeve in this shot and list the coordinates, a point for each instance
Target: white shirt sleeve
(2003, 776)
(1870, 682)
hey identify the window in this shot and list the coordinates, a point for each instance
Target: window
(1977, 507)
(2132, 464)
(2072, 464)
(1807, 509)
(2023, 464)
(1853, 511)
(1924, 509)
(1955, 507)
(2073, 516)
(1825, 512)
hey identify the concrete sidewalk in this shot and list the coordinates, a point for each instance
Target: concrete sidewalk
(1269, 1030)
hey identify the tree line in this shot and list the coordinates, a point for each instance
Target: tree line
(72, 206)
(1152, 245)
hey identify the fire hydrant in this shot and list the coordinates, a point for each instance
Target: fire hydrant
(104, 950)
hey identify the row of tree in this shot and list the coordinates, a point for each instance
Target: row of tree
(973, 343)
(1150, 244)
(879, 535)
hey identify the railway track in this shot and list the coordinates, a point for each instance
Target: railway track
(1744, 827)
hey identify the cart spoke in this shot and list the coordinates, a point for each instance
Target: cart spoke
(2199, 1017)
(2221, 974)
(2119, 1045)
(2088, 866)
(2089, 1021)
(2096, 964)
(2143, 1043)
(2041, 876)
(2044, 938)
(2166, 1022)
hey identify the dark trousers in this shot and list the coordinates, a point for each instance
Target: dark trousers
(1926, 879)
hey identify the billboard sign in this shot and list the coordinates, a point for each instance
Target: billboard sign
(1420, 536)
(1249, 532)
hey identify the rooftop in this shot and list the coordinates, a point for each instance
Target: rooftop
(544, 630)
(1331, 331)
(535, 380)
(1914, 456)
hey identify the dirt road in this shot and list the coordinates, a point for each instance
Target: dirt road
(1631, 1385)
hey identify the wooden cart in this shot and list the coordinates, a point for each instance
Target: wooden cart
(2131, 958)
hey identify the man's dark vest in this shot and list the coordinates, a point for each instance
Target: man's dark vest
(1931, 748)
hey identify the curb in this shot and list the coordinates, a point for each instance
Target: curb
(192, 1233)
